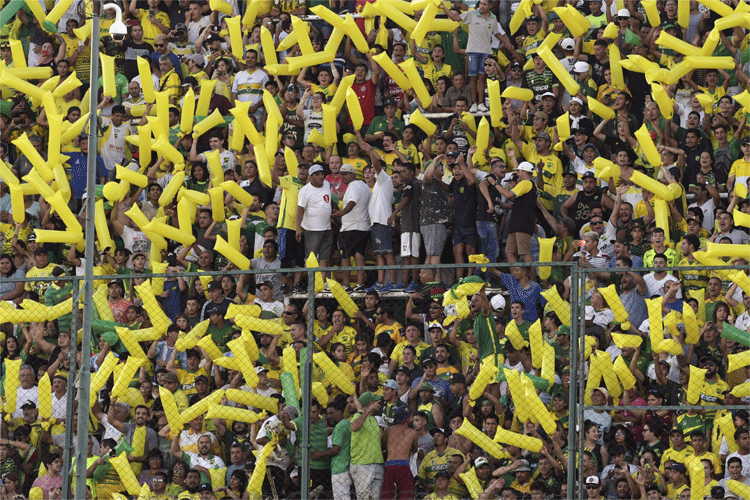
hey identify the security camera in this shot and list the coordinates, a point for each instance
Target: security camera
(118, 30)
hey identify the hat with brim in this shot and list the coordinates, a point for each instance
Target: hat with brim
(368, 397)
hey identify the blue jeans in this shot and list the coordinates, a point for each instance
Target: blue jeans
(488, 237)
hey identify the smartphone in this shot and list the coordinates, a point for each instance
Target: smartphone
(106, 250)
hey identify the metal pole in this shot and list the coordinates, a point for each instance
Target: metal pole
(88, 302)
(573, 393)
(70, 394)
(581, 311)
(307, 390)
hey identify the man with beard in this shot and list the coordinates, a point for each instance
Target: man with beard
(137, 434)
(633, 291)
(203, 461)
(439, 458)
(106, 477)
(713, 386)
(578, 207)
(192, 483)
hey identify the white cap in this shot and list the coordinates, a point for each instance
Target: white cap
(568, 44)
(526, 166)
(315, 169)
(589, 313)
(260, 369)
(581, 67)
(602, 390)
(623, 13)
(578, 100)
(548, 94)
(435, 325)
(347, 168)
(498, 302)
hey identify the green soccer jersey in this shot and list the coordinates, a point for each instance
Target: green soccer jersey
(342, 436)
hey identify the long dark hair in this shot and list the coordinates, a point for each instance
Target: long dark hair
(12, 264)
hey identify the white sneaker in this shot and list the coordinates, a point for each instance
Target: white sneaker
(473, 108)
(482, 108)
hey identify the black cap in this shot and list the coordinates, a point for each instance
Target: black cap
(213, 38)
(40, 251)
(205, 487)
(58, 271)
(429, 360)
(588, 175)
(389, 102)
(214, 285)
(443, 473)
(202, 378)
(570, 172)
(404, 369)
(458, 378)
(437, 430)
(745, 140)
(29, 404)
(116, 282)
(190, 80)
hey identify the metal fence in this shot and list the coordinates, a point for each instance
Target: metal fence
(319, 362)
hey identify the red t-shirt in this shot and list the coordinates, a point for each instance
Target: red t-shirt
(366, 95)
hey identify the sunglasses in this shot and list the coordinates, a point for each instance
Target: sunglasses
(596, 222)
(159, 45)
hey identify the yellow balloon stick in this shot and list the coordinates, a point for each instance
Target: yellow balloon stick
(54, 15)
(126, 376)
(546, 246)
(34, 157)
(410, 70)
(267, 44)
(202, 406)
(254, 400)
(237, 346)
(204, 99)
(560, 306)
(170, 410)
(127, 476)
(233, 255)
(487, 375)
(70, 84)
(340, 96)
(695, 384)
(624, 374)
(158, 318)
(418, 120)
(101, 376)
(482, 440)
(385, 62)
(600, 109)
(517, 93)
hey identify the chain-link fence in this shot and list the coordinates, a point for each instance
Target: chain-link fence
(490, 385)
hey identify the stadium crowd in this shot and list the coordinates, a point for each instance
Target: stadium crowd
(387, 194)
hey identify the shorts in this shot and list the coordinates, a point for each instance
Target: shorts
(466, 235)
(476, 63)
(410, 244)
(353, 242)
(518, 244)
(291, 252)
(342, 485)
(320, 243)
(434, 236)
(368, 480)
(382, 239)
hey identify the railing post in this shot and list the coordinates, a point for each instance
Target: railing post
(70, 393)
(307, 389)
(573, 392)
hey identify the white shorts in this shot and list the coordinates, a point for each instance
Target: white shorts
(368, 480)
(410, 243)
(342, 484)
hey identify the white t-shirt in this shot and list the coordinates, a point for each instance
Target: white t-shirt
(381, 201)
(745, 464)
(359, 218)
(226, 158)
(249, 86)
(24, 395)
(656, 286)
(136, 241)
(113, 149)
(317, 205)
(313, 121)
(708, 213)
(194, 28)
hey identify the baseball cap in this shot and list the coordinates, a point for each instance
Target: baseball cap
(548, 94)
(212, 309)
(623, 13)
(170, 377)
(745, 140)
(445, 432)
(532, 18)
(368, 397)
(524, 467)
(32, 236)
(201, 378)
(578, 100)
(205, 487)
(291, 411)
(543, 135)
(568, 44)
(602, 390)
(260, 369)
(480, 461)
(391, 384)
(190, 80)
(526, 166)
(29, 404)
(593, 480)
(581, 67)
(197, 58)
(401, 414)
(58, 271)
(435, 325)
(40, 251)
(403, 369)
(347, 169)
(498, 302)
(213, 37)
(590, 145)
(426, 387)
(516, 65)
(214, 285)
(541, 114)
(116, 282)
(458, 378)
(570, 173)
(179, 26)
(429, 360)
(678, 467)
(315, 169)
(389, 102)
(589, 174)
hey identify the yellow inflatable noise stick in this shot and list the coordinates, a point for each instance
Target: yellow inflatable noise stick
(417, 119)
(546, 246)
(253, 400)
(126, 376)
(697, 475)
(237, 346)
(252, 347)
(409, 68)
(742, 490)
(496, 105)
(45, 397)
(487, 375)
(560, 306)
(34, 157)
(202, 406)
(536, 341)
(385, 62)
(514, 335)
(522, 441)
(574, 20)
(626, 340)
(330, 136)
(130, 342)
(158, 318)
(741, 391)
(270, 327)
(609, 375)
(333, 372)
(343, 298)
(144, 70)
(242, 309)
(255, 485)
(517, 93)
(727, 250)
(233, 255)
(237, 192)
(340, 96)
(173, 186)
(613, 300)
(102, 230)
(560, 72)
(518, 393)
(656, 327)
(127, 476)
(101, 376)
(236, 414)
(739, 360)
(666, 103)
(548, 364)
(692, 331)
(695, 384)
(319, 392)
(312, 263)
(649, 148)
(482, 440)
(195, 197)
(208, 345)
(18, 206)
(207, 124)
(600, 109)
(624, 374)
(482, 141)
(217, 209)
(11, 383)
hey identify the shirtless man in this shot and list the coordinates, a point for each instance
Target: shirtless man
(401, 442)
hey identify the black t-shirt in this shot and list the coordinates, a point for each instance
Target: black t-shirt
(482, 205)
(410, 212)
(597, 69)
(132, 51)
(464, 203)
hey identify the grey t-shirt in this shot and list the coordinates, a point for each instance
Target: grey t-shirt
(274, 278)
(435, 204)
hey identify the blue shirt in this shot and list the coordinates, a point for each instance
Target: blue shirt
(78, 167)
(442, 387)
(175, 61)
(529, 296)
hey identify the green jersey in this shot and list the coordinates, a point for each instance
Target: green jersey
(342, 436)
(487, 340)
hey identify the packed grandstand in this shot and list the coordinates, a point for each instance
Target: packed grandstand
(470, 140)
